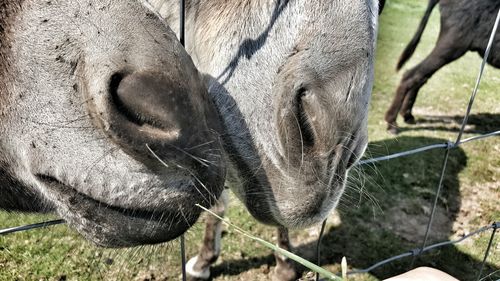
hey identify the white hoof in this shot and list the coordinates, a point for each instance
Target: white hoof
(204, 274)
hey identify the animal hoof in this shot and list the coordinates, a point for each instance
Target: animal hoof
(392, 128)
(194, 274)
(409, 119)
(285, 276)
(285, 271)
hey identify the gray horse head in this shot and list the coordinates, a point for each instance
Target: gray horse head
(104, 119)
(292, 81)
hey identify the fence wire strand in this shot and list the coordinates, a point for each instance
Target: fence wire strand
(418, 251)
(447, 146)
(182, 39)
(487, 251)
(433, 210)
(29, 227)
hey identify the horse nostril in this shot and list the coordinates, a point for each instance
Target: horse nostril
(114, 86)
(305, 126)
(117, 93)
(147, 99)
(115, 82)
(357, 151)
(353, 158)
(126, 96)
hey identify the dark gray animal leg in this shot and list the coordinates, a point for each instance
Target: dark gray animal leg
(198, 267)
(445, 51)
(285, 268)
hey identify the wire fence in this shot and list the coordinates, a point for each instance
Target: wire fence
(448, 146)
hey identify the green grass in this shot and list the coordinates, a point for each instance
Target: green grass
(379, 216)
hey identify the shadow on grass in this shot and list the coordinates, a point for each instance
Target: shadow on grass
(480, 123)
(394, 220)
(235, 267)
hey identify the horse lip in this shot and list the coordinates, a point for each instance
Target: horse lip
(56, 185)
(119, 227)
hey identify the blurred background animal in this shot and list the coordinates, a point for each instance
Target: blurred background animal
(465, 26)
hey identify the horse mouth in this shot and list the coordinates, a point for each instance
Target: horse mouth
(56, 185)
(117, 226)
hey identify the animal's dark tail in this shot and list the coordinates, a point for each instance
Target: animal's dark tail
(410, 48)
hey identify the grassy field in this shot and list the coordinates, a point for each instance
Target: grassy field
(382, 214)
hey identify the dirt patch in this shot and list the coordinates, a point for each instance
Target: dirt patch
(408, 219)
(476, 201)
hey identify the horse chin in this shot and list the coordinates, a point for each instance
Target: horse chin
(297, 206)
(115, 226)
(302, 212)
(294, 214)
(316, 213)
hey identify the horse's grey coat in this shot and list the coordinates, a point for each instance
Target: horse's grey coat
(84, 86)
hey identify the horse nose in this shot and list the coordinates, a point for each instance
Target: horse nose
(170, 115)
